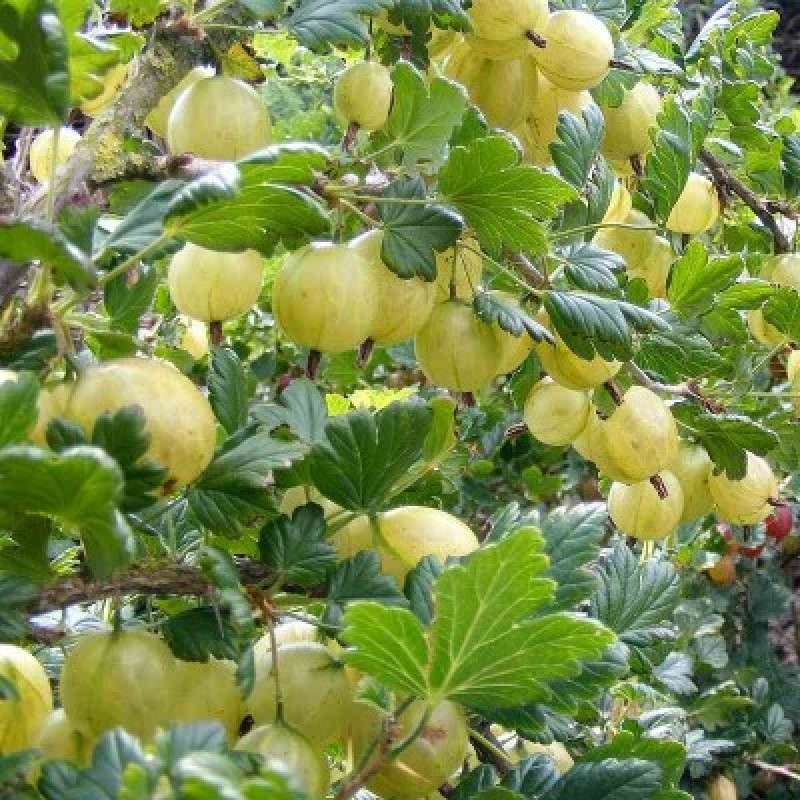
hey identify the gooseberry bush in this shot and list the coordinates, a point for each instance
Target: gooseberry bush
(398, 400)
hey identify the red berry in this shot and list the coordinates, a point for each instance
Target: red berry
(779, 523)
(752, 551)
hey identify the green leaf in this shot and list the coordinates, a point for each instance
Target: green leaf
(577, 143)
(16, 595)
(34, 240)
(419, 587)
(636, 600)
(572, 541)
(696, 280)
(123, 435)
(482, 648)
(115, 753)
(139, 12)
(532, 777)
(144, 223)
(198, 633)
(301, 407)
(358, 579)
(321, 24)
(441, 437)
(233, 487)
(227, 389)
(591, 268)
(591, 324)
(414, 233)
(502, 200)
(256, 203)
(669, 755)
(607, 10)
(296, 548)
(727, 437)
(675, 672)
(422, 118)
(611, 92)
(675, 356)
(610, 779)
(445, 14)
(18, 411)
(126, 301)
(34, 74)
(512, 319)
(669, 163)
(78, 488)
(782, 310)
(365, 455)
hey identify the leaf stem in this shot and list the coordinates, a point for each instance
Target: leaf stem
(600, 225)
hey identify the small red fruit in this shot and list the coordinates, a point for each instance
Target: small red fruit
(752, 551)
(779, 523)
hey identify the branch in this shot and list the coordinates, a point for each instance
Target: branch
(532, 276)
(688, 389)
(159, 579)
(784, 772)
(354, 782)
(725, 180)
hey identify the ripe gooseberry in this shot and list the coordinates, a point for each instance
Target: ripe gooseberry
(638, 511)
(362, 94)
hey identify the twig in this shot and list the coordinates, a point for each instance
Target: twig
(725, 180)
(528, 271)
(688, 389)
(489, 750)
(370, 767)
(154, 579)
(782, 771)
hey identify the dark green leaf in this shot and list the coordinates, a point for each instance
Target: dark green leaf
(123, 435)
(577, 143)
(34, 73)
(669, 163)
(321, 24)
(227, 389)
(253, 204)
(360, 578)
(144, 223)
(364, 456)
(419, 587)
(233, 487)
(611, 779)
(18, 411)
(502, 200)
(572, 541)
(422, 118)
(414, 233)
(676, 356)
(675, 672)
(670, 756)
(636, 600)
(727, 437)
(512, 319)
(198, 633)
(591, 324)
(16, 594)
(34, 240)
(296, 549)
(533, 777)
(591, 268)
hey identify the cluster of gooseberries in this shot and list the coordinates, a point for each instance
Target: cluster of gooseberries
(130, 679)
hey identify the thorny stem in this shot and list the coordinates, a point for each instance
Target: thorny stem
(724, 180)
(489, 752)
